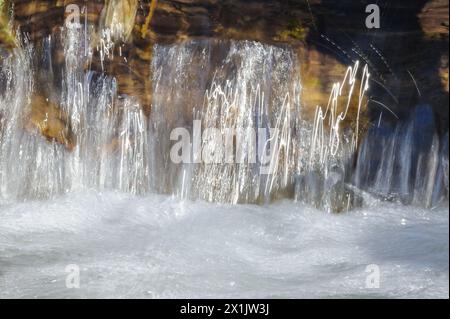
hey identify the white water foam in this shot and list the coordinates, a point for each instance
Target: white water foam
(161, 247)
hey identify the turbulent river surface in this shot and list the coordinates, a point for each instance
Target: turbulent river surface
(161, 247)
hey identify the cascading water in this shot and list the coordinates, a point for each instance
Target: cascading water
(244, 91)
(107, 150)
(406, 161)
(252, 90)
(245, 95)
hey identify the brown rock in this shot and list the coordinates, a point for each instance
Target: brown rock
(48, 119)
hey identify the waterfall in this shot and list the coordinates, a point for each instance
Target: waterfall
(108, 149)
(405, 161)
(244, 90)
(235, 110)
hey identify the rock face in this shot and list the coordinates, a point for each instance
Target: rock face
(434, 22)
(50, 121)
(6, 36)
(408, 56)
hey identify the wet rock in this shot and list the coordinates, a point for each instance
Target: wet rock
(119, 17)
(7, 39)
(434, 18)
(47, 118)
(331, 194)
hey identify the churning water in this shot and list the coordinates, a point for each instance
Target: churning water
(161, 247)
(96, 206)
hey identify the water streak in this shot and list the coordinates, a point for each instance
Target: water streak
(247, 90)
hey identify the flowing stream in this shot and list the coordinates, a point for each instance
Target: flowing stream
(251, 222)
